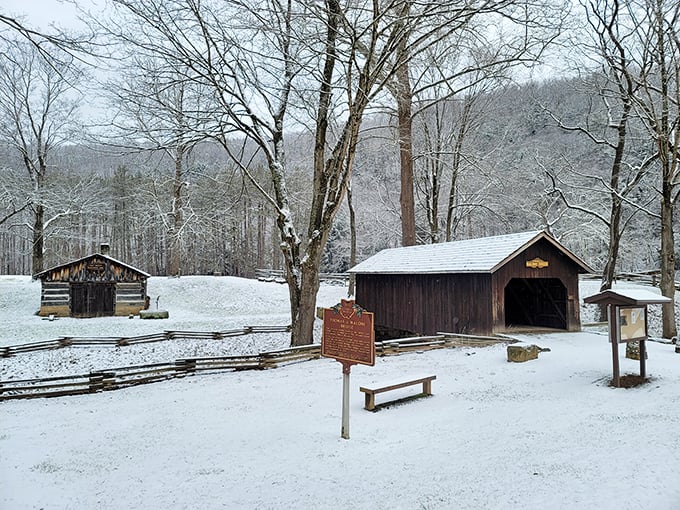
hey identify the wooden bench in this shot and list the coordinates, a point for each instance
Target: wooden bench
(371, 392)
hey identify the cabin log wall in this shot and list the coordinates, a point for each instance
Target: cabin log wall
(54, 299)
(130, 298)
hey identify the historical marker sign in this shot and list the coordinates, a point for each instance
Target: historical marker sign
(348, 337)
(348, 334)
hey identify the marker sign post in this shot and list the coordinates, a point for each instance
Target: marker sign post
(348, 336)
(627, 317)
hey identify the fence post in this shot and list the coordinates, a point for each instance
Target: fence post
(96, 381)
(185, 366)
(267, 360)
(108, 380)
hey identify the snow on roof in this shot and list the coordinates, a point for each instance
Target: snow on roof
(632, 296)
(481, 255)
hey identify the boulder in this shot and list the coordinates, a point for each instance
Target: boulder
(154, 314)
(519, 353)
(633, 351)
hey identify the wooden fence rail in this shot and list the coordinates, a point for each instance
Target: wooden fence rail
(651, 277)
(277, 275)
(13, 350)
(121, 377)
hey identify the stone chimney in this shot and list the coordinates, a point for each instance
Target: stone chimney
(105, 249)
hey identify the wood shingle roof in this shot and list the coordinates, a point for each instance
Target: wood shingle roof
(42, 274)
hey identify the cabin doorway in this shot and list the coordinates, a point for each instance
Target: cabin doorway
(536, 302)
(93, 299)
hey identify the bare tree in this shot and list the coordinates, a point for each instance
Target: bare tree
(11, 204)
(37, 111)
(522, 32)
(637, 45)
(404, 93)
(264, 61)
(657, 41)
(616, 82)
(447, 121)
(57, 46)
(153, 106)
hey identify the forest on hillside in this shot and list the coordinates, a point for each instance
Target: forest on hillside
(211, 137)
(97, 196)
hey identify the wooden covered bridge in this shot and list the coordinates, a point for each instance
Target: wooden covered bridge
(476, 286)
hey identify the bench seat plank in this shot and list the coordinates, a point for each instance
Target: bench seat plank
(370, 393)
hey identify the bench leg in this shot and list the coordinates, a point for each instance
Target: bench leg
(369, 401)
(427, 387)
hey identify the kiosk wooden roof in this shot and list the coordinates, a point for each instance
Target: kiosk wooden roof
(627, 297)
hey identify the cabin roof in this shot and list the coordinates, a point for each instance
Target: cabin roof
(480, 255)
(72, 262)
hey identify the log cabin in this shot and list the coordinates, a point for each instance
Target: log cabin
(93, 286)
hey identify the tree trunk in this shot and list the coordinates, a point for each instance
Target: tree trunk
(303, 285)
(404, 120)
(667, 154)
(432, 193)
(352, 241)
(456, 164)
(38, 239)
(669, 329)
(261, 228)
(175, 229)
(303, 322)
(609, 271)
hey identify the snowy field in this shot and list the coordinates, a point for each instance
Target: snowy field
(194, 303)
(546, 434)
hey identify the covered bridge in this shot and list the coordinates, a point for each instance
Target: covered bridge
(476, 286)
(93, 286)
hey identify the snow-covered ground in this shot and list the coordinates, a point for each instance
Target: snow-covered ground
(546, 434)
(194, 303)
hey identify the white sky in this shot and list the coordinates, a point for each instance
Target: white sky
(40, 14)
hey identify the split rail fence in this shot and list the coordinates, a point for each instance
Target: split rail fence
(122, 377)
(67, 341)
